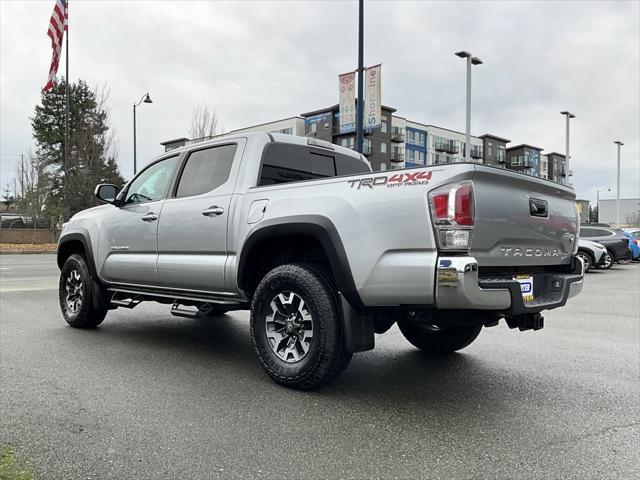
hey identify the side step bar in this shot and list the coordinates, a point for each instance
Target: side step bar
(132, 297)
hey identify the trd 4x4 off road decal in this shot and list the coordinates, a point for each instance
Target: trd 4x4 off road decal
(421, 177)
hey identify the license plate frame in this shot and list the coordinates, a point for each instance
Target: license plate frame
(526, 287)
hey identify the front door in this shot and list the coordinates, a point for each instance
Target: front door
(192, 230)
(128, 239)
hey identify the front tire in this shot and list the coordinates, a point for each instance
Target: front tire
(609, 260)
(438, 340)
(296, 327)
(586, 260)
(76, 295)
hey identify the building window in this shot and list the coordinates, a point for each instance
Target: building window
(348, 142)
(383, 147)
(502, 153)
(517, 161)
(421, 157)
(385, 127)
(411, 136)
(411, 155)
(383, 166)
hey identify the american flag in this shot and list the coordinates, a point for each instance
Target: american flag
(57, 27)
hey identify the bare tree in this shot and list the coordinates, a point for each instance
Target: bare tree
(33, 192)
(204, 122)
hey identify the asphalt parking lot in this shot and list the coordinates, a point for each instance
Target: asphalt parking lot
(152, 396)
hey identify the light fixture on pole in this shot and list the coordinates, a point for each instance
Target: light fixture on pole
(608, 189)
(145, 99)
(567, 170)
(470, 61)
(619, 143)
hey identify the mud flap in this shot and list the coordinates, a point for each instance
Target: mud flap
(358, 329)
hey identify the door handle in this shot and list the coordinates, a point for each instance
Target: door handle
(213, 211)
(149, 217)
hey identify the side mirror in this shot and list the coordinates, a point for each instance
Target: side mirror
(106, 192)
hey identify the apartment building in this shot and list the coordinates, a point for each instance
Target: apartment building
(400, 142)
(324, 124)
(556, 171)
(290, 126)
(524, 158)
(494, 150)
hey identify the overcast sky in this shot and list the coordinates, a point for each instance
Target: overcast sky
(259, 61)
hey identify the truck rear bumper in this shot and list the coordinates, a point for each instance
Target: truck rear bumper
(459, 286)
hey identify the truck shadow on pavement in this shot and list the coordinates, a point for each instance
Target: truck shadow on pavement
(220, 349)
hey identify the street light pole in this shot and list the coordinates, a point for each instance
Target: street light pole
(470, 61)
(619, 143)
(145, 99)
(360, 100)
(568, 116)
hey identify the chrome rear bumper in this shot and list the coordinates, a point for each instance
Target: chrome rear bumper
(458, 286)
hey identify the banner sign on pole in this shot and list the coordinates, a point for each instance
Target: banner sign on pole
(347, 85)
(372, 97)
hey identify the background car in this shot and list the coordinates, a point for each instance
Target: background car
(633, 234)
(592, 254)
(613, 239)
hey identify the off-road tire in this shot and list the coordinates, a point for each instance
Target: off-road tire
(327, 356)
(440, 341)
(587, 260)
(91, 311)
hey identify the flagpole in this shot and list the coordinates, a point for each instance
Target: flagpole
(66, 118)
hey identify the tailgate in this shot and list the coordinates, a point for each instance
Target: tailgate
(522, 220)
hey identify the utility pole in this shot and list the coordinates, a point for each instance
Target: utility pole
(619, 143)
(360, 100)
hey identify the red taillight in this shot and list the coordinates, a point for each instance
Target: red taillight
(463, 211)
(441, 205)
(452, 214)
(636, 242)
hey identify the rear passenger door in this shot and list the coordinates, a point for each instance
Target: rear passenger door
(192, 229)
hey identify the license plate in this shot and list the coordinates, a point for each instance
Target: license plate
(526, 286)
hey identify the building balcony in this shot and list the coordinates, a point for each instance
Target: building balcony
(446, 147)
(397, 157)
(397, 137)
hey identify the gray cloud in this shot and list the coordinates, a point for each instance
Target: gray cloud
(259, 61)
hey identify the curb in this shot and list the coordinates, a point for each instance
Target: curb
(26, 252)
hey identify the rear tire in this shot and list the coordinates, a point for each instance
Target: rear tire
(438, 340)
(76, 295)
(296, 327)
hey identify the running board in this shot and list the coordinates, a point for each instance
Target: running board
(131, 297)
(125, 301)
(180, 309)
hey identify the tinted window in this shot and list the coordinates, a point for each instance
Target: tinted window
(283, 162)
(152, 183)
(206, 170)
(586, 232)
(601, 232)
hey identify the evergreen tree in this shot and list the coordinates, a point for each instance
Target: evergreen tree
(92, 152)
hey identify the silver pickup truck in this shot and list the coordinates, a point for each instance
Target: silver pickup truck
(323, 251)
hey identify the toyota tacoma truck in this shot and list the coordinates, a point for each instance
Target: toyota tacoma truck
(322, 251)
